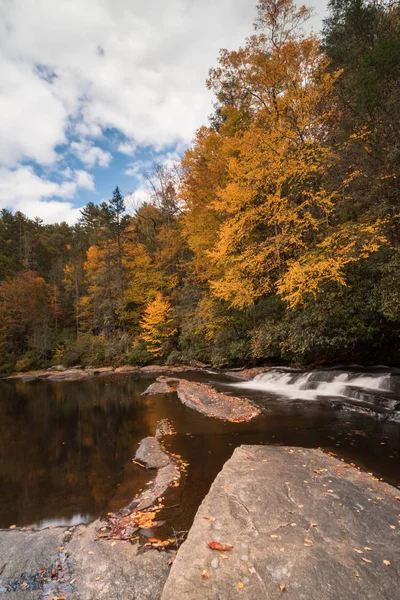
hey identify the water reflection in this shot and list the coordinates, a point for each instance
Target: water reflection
(66, 447)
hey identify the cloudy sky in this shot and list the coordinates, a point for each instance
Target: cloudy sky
(93, 91)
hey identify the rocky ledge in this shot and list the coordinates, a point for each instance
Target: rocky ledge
(291, 521)
(61, 373)
(208, 401)
(277, 522)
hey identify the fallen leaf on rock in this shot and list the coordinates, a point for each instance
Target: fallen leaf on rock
(282, 587)
(275, 537)
(218, 546)
(205, 574)
(209, 518)
(392, 526)
(252, 570)
(386, 562)
(171, 560)
(308, 542)
(366, 560)
(368, 548)
(359, 551)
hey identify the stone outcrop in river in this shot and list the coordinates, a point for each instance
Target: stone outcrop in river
(291, 520)
(276, 521)
(208, 401)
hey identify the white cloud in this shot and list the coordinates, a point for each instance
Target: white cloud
(91, 155)
(84, 180)
(132, 66)
(129, 69)
(22, 189)
(127, 148)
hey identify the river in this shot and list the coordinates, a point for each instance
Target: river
(66, 447)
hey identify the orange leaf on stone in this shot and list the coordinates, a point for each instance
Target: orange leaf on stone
(218, 546)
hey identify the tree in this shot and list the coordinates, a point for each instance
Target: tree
(157, 325)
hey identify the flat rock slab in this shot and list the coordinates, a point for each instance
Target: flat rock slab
(26, 559)
(32, 567)
(105, 570)
(208, 401)
(302, 524)
(151, 455)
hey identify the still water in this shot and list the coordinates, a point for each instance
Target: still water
(66, 448)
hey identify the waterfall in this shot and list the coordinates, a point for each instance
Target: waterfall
(377, 391)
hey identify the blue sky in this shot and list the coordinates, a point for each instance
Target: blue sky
(94, 91)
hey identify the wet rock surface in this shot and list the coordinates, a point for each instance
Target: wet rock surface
(27, 560)
(151, 455)
(300, 522)
(158, 387)
(208, 401)
(106, 569)
(75, 564)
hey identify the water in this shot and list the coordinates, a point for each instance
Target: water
(66, 447)
(378, 392)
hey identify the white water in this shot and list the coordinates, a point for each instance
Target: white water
(377, 391)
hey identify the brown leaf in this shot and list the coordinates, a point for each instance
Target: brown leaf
(366, 560)
(205, 574)
(282, 587)
(386, 562)
(218, 546)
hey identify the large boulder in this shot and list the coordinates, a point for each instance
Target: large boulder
(293, 521)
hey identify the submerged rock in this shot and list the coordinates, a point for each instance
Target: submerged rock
(298, 521)
(151, 455)
(208, 401)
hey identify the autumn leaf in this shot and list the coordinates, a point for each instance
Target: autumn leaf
(205, 574)
(218, 546)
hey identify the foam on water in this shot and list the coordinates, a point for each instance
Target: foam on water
(378, 391)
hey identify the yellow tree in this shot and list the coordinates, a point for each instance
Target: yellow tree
(275, 203)
(157, 325)
(277, 208)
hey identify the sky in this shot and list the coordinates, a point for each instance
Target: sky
(93, 92)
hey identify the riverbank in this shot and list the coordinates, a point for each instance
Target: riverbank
(276, 520)
(60, 373)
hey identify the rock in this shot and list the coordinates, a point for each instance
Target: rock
(158, 387)
(126, 369)
(164, 427)
(208, 401)
(100, 370)
(26, 557)
(247, 374)
(155, 369)
(164, 478)
(57, 368)
(151, 455)
(198, 365)
(300, 522)
(105, 570)
(69, 375)
(27, 378)
(42, 564)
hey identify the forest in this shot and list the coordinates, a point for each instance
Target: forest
(276, 239)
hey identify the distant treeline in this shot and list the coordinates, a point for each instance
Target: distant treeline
(276, 238)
